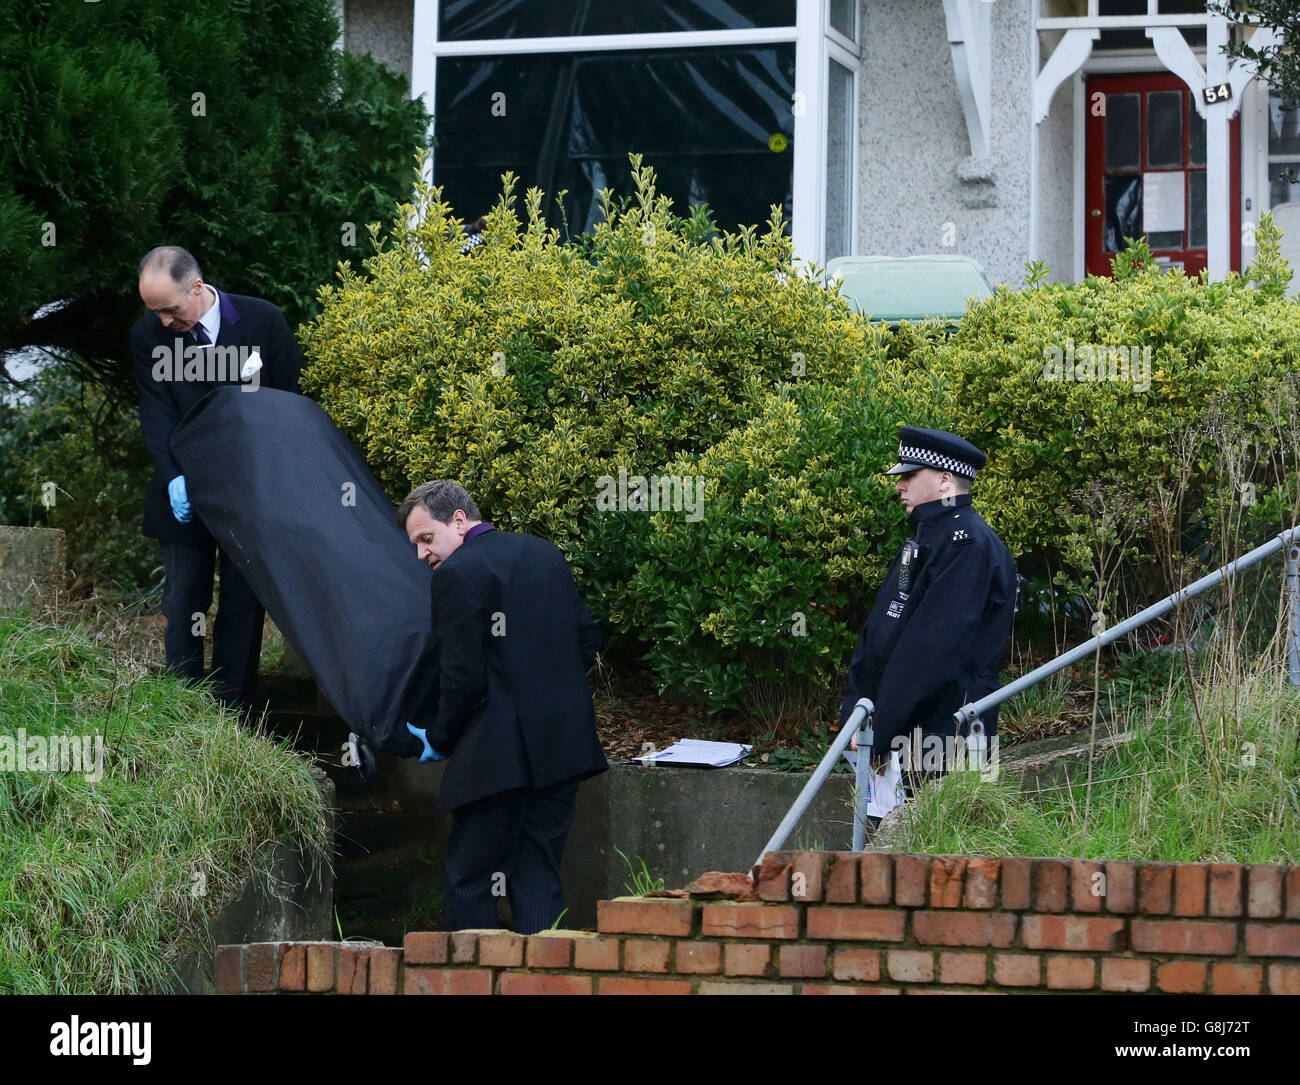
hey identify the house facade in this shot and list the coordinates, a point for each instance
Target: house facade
(1010, 131)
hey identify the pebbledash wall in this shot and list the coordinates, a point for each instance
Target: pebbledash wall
(840, 923)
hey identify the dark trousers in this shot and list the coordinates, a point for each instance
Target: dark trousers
(237, 631)
(509, 844)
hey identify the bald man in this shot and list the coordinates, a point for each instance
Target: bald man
(193, 339)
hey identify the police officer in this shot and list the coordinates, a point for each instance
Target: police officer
(937, 635)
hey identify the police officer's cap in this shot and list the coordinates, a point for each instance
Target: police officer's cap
(937, 449)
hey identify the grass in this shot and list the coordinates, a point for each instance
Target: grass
(1210, 774)
(642, 881)
(103, 885)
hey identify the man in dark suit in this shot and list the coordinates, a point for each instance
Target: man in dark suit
(193, 339)
(515, 714)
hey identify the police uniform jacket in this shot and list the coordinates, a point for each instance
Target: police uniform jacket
(927, 651)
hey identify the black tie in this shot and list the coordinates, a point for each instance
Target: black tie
(200, 334)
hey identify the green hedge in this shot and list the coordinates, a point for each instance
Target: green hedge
(536, 370)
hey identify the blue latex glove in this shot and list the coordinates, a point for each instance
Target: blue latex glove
(180, 499)
(430, 754)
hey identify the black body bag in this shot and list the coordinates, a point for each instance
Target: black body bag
(289, 498)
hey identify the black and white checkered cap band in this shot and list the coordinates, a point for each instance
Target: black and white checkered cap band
(940, 462)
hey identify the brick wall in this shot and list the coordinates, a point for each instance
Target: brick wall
(873, 923)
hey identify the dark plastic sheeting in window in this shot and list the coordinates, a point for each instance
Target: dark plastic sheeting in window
(704, 119)
(475, 20)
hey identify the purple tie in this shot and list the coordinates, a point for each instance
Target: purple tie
(200, 334)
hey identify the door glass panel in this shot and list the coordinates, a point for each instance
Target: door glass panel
(1123, 210)
(1195, 137)
(1164, 208)
(1283, 128)
(1165, 128)
(1123, 127)
(1281, 189)
(1196, 216)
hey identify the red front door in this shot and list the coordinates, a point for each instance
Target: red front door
(1145, 172)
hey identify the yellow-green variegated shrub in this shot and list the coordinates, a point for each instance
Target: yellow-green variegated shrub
(532, 369)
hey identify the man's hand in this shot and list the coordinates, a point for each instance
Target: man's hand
(180, 499)
(430, 754)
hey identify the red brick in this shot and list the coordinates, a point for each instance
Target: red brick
(1155, 888)
(504, 950)
(947, 881)
(320, 966)
(1225, 889)
(948, 991)
(1015, 883)
(1181, 977)
(855, 965)
(803, 961)
(447, 981)
(877, 878)
(1015, 970)
(427, 947)
(1121, 888)
(1237, 979)
(747, 959)
(646, 955)
(982, 883)
(911, 879)
(842, 880)
(1190, 881)
(543, 983)
(1097, 933)
(549, 950)
(383, 970)
(227, 970)
(773, 879)
(464, 944)
(699, 957)
(1272, 940)
(1183, 936)
(1071, 973)
(1083, 882)
(808, 876)
(668, 917)
(910, 966)
(353, 970)
(621, 985)
(596, 954)
(262, 960)
(1125, 974)
(751, 921)
(856, 924)
(1051, 885)
(1265, 893)
(1293, 893)
(1284, 979)
(964, 928)
(845, 989)
(293, 968)
(970, 968)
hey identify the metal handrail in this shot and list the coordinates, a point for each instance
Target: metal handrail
(860, 719)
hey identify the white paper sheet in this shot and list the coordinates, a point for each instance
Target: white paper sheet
(886, 788)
